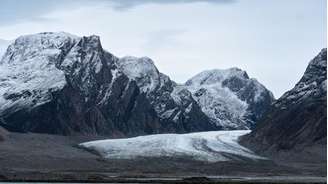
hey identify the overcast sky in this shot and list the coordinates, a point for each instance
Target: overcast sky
(273, 40)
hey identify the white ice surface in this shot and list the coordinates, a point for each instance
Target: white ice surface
(205, 146)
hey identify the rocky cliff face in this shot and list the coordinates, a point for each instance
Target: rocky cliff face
(62, 84)
(220, 99)
(59, 83)
(174, 105)
(299, 117)
(230, 98)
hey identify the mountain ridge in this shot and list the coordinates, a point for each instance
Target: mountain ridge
(298, 119)
(85, 89)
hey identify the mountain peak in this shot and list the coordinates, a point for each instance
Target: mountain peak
(313, 82)
(320, 59)
(142, 69)
(44, 38)
(46, 43)
(216, 76)
(229, 97)
(298, 119)
(46, 69)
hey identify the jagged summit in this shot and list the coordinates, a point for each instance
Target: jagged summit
(164, 96)
(312, 83)
(298, 119)
(229, 97)
(216, 76)
(25, 46)
(35, 65)
(64, 84)
(143, 70)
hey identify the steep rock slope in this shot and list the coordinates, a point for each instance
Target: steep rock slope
(299, 118)
(229, 97)
(175, 106)
(62, 84)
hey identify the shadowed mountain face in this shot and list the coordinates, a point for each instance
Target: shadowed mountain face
(62, 84)
(59, 83)
(299, 118)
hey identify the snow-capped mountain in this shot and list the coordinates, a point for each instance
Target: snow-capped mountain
(229, 97)
(299, 117)
(143, 71)
(64, 84)
(173, 105)
(212, 146)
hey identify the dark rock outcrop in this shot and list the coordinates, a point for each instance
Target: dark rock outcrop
(173, 104)
(58, 83)
(61, 84)
(299, 118)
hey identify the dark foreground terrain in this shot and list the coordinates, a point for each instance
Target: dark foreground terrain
(42, 157)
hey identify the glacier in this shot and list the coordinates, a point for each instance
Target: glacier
(212, 146)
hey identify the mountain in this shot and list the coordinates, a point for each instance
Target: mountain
(227, 99)
(298, 119)
(59, 83)
(230, 98)
(174, 106)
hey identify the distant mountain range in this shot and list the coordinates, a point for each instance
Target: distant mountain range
(59, 83)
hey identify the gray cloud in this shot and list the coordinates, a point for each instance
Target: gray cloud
(123, 5)
(14, 11)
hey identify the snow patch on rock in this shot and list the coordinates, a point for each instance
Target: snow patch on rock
(142, 70)
(226, 96)
(28, 72)
(218, 102)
